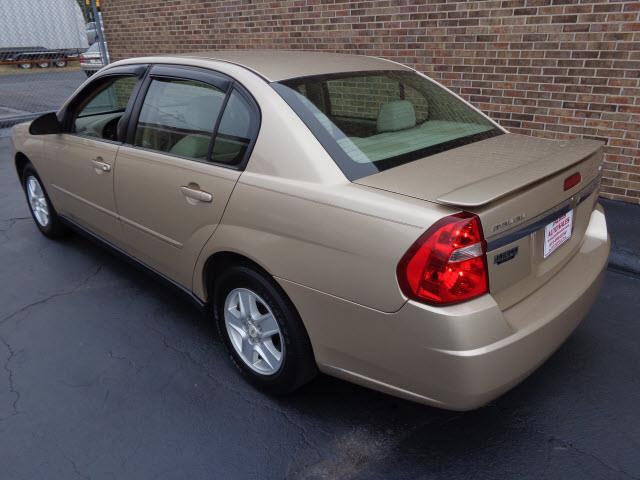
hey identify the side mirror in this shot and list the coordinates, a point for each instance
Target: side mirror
(46, 124)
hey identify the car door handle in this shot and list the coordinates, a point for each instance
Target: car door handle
(100, 166)
(196, 194)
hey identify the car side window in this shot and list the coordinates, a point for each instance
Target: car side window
(234, 132)
(98, 115)
(178, 117)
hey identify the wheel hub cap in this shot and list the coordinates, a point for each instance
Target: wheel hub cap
(254, 331)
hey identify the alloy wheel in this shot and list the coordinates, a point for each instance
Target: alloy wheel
(254, 331)
(37, 201)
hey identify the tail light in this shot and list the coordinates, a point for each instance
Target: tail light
(448, 263)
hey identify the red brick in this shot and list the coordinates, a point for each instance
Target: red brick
(550, 68)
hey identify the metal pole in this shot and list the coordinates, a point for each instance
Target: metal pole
(101, 44)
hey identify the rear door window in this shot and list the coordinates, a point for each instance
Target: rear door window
(185, 118)
(179, 117)
(235, 131)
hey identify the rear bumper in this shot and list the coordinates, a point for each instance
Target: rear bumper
(458, 357)
(480, 375)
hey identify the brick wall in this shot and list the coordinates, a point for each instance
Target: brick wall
(550, 68)
(362, 96)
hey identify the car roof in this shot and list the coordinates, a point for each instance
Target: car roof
(277, 65)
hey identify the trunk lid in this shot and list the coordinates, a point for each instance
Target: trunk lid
(482, 172)
(515, 184)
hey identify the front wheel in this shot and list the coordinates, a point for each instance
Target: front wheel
(262, 331)
(42, 210)
(60, 63)
(43, 64)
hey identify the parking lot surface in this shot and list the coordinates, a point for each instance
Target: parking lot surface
(36, 91)
(106, 374)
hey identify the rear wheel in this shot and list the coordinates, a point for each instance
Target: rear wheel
(43, 64)
(25, 65)
(42, 210)
(60, 63)
(262, 331)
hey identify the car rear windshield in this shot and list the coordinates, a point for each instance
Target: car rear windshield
(373, 121)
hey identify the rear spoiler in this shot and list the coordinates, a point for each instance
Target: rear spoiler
(492, 188)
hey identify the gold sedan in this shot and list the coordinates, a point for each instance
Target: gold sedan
(337, 213)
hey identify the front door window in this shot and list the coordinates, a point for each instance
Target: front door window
(99, 114)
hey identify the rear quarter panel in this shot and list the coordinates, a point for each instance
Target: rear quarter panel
(344, 240)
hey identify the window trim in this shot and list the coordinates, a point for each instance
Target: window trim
(69, 112)
(256, 122)
(216, 126)
(208, 76)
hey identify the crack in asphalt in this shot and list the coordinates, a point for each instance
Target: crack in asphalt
(11, 222)
(133, 453)
(82, 385)
(565, 444)
(9, 370)
(76, 470)
(570, 446)
(12, 353)
(285, 415)
(130, 362)
(42, 301)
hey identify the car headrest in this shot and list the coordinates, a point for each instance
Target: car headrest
(396, 115)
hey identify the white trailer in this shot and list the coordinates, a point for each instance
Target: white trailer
(41, 32)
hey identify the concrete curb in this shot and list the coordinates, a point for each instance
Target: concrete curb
(623, 221)
(624, 261)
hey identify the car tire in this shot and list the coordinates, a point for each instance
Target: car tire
(88, 73)
(60, 63)
(38, 199)
(43, 64)
(25, 66)
(297, 364)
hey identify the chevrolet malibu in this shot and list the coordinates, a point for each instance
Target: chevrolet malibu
(333, 213)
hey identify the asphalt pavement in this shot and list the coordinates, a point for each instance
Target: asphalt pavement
(624, 221)
(30, 92)
(106, 374)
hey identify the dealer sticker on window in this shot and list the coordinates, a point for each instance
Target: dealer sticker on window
(557, 232)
